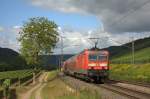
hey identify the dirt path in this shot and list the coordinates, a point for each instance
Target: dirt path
(38, 92)
(37, 89)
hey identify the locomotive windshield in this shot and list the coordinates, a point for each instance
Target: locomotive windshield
(95, 57)
(102, 57)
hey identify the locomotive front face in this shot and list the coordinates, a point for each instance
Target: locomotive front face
(98, 60)
(98, 63)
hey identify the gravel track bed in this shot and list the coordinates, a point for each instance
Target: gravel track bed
(132, 94)
(142, 84)
(132, 90)
(78, 84)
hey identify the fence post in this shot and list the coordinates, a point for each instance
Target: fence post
(33, 78)
(19, 81)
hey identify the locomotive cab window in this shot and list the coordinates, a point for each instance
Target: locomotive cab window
(93, 57)
(102, 57)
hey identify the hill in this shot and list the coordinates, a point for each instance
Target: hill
(10, 60)
(53, 61)
(123, 53)
(121, 59)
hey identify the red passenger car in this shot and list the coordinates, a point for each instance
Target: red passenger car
(89, 64)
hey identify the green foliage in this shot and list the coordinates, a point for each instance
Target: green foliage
(38, 36)
(15, 74)
(6, 90)
(129, 72)
(6, 83)
(11, 60)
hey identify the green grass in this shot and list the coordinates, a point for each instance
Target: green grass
(133, 73)
(83, 94)
(57, 89)
(140, 55)
(52, 74)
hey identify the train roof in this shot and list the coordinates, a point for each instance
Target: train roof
(91, 49)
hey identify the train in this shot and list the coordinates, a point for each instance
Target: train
(90, 64)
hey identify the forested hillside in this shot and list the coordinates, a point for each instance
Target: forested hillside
(11, 60)
(53, 61)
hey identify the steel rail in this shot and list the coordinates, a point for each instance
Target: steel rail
(130, 93)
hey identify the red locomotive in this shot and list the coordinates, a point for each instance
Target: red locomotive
(89, 64)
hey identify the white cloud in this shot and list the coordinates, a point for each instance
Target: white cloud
(8, 38)
(8, 43)
(81, 39)
(1, 29)
(59, 5)
(16, 29)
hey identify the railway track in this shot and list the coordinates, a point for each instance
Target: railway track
(132, 91)
(126, 90)
(143, 84)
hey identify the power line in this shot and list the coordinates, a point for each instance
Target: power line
(77, 38)
(120, 43)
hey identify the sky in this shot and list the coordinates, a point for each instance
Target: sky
(109, 20)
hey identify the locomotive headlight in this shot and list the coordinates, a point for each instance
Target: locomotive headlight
(92, 64)
(103, 64)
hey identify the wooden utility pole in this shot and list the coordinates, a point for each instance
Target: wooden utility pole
(133, 51)
(61, 59)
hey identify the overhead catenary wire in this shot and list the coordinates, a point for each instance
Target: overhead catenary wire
(91, 43)
(120, 43)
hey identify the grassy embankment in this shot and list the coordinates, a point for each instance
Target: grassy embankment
(137, 72)
(57, 89)
(129, 72)
(141, 56)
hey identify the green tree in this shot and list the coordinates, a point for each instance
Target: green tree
(38, 36)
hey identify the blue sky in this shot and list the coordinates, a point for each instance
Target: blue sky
(15, 12)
